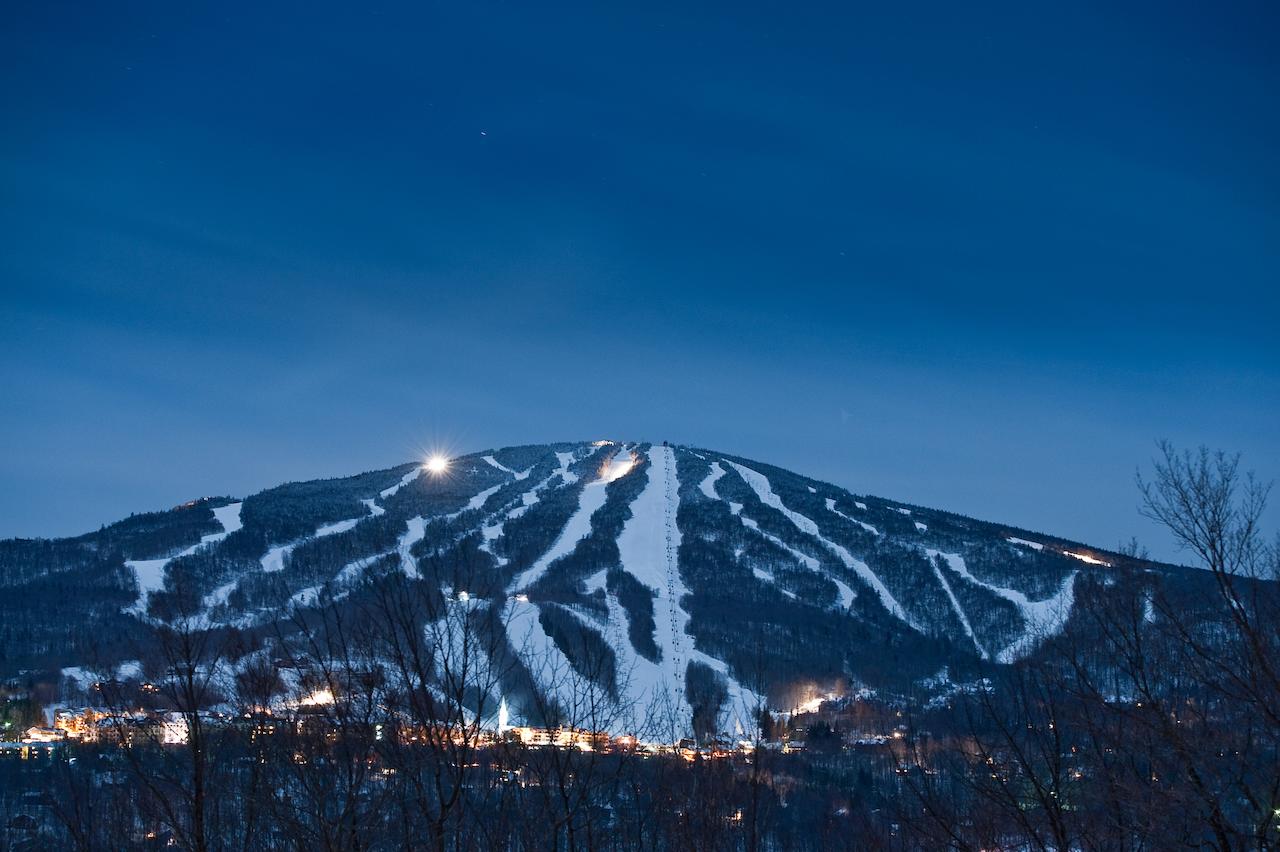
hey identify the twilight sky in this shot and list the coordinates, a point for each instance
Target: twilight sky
(975, 258)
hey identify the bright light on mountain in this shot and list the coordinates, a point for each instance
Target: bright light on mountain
(318, 698)
(437, 464)
(617, 467)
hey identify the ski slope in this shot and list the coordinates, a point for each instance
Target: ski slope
(150, 572)
(1042, 618)
(590, 499)
(760, 485)
(831, 507)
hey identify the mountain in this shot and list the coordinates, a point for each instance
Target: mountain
(649, 569)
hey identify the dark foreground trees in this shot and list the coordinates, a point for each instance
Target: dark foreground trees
(1155, 723)
(1152, 723)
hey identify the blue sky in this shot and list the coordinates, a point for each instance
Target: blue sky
(976, 259)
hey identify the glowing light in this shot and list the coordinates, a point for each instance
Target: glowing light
(617, 467)
(437, 465)
(814, 703)
(1084, 557)
(504, 717)
(318, 698)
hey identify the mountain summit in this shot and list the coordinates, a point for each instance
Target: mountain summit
(657, 572)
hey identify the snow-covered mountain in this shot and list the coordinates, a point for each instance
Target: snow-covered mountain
(686, 571)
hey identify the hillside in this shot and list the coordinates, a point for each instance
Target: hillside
(659, 573)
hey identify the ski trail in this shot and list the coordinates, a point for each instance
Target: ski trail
(493, 529)
(405, 480)
(649, 547)
(1042, 618)
(150, 572)
(417, 529)
(959, 610)
(590, 499)
(803, 558)
(229, 517)
(760, 485)
(548, 665)
(523, 474)
(566, 459)
(475, 502)
(831, 507)
(274, 558)
(708, 484)
(352, 570)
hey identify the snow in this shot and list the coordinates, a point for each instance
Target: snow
(1042, 618)
(847, 594)
(812, 490)
(803, 558)
(649, 547)
(566, 459)
(578, 527)
(417, 529)
(1086, 558)
(492, 531)
(339, 527)
(306, 597)
(959, 610)
(352, 570)
(862, 506)
(760, 485)
(549, 666)
(475, 502)
(898, 509)
(219, 595)
(85, 678)
(524, 474)
(275, 556)
(408, 477)
(229, 517)
(150, 572)
(831, 506)
(708, 485)
(1034, 545)
(374, 509)
(922, 527)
